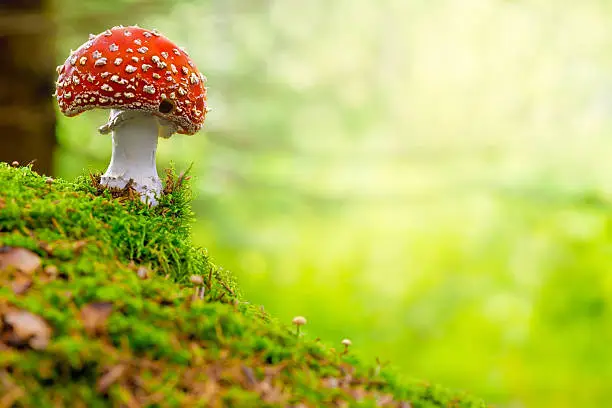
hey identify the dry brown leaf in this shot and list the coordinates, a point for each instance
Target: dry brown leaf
(248, 375)
(21, 285)
(110, 378)
(27, 329)
(384, 399)
(51, 270)
(94, 317)
(330, 382)
(20, 259)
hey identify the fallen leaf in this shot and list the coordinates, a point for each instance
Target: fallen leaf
(110, 378)
(249, 375)
(21, 259)
(21, 285)
(95, 315)
(384, 399)
(27, 328)
(51, 270)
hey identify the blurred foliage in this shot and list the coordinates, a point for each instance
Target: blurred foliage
(429, 179)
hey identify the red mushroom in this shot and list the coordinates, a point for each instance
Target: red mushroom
(151, 86)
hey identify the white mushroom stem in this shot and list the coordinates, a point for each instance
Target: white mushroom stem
(134, 145)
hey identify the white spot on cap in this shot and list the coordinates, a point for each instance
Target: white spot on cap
(156, 75)
(155, 59)
(67, 95)
(135, 59)
(145, 67)
(91, 36)
(73, 60)
(103, 99)
(185, 70)
(182, 91)
(128, 94)
(59, 69)
(104, 74)
(107, 88)
(75, 80)
(176, 51)
(127, 33)
(150, 89)
(113, 47)
(137, 42)
(130, 69)
(118, 61)
(96, 54)
(100, 62)
(129, 50)
(173, 69)
(194, 79)
(147, 34)
(91, 78)
(108, 33)
(164, 54)
(143, 50)
(83, 60)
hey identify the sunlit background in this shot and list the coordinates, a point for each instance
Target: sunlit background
(426, 178)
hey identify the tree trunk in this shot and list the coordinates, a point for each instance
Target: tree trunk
(27, 115)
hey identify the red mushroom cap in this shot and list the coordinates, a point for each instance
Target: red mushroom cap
(132, 68)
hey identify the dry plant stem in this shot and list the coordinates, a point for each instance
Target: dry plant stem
(133, 158)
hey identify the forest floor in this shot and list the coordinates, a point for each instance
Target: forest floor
(99, 307)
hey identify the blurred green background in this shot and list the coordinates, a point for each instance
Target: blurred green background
(430, 179)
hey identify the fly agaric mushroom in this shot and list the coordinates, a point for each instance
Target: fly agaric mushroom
(152, 88)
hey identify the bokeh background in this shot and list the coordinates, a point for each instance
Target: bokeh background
(431, 179)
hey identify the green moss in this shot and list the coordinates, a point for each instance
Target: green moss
(126, 328)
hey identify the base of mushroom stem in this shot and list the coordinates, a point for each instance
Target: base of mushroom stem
(149, 191)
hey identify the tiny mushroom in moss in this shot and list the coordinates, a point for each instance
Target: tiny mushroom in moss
(299, 321)
(198, 281)
(152, 88)
(346, 343)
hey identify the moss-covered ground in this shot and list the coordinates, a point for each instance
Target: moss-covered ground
(98, 308)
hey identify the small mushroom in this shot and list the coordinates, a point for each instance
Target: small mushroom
(346, 343)
(198, 281)
(144, 104)
(299, 321)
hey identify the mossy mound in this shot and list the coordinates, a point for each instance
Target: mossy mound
(98, 308)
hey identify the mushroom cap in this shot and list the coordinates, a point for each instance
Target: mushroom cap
(299, 320)
(196, 279)
(347, 342)
(132, 68)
